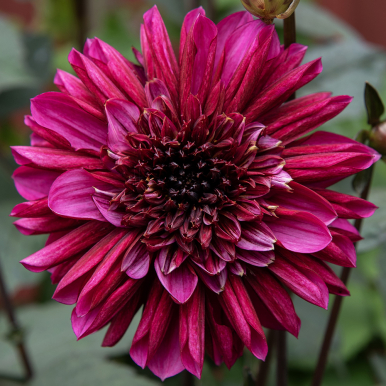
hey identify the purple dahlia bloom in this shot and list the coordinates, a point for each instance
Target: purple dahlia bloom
(187, 187)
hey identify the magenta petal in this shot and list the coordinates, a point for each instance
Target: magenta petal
(112, 216)
(215, 283)
(105, 278)
(180, 283)
(31, 209)
(54, 159)
(276, 299)
(258, 259)
(299, 231)
(120, 323)
(226, 27)
(34, 184)
(136, 261)
(61, 114)
(192, 332)
(239, 309)
(48, 135)
(256, 237)
(306, 200)
(340, 251)
(67, 246)
(189, 21)
(48, 224)
(166, 362)
(70, 195)
(79, 325)
(69, 287)
(302, 281)
(114, 304)
(346, 206)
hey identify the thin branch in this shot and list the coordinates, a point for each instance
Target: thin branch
(262, 375)
(332, 322)
(289, 31)
(281, 336)
(189, 379)
(282, 373)
(16, 332)
(82, 22)
(211, 10)
(191, 4)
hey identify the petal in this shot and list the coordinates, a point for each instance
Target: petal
(276, 299)
(192, 332)
(31, 209)
(120, 323)
(95, 80)
(238, 306)
(48, 224)
(258, 259)
(112, 216)
(69, 287)
(299, 231)
(346, 206)
(54, 159)
(123, 72)
(34, 184)
(302, 281)
(303, 199)
(105, 278)
(256, 237)
(226, 27)
(113, 305)
(180, 283)
(59, 113)
(50, 136)
(280, 91)
(164, 60)
(60, 250)
(71, 195)
(340, 251)
(136, 261)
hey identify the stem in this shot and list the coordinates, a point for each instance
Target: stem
(289, 31)
(81, 16)
(281, 336)
(262, 375)
(332, 322)
(211, 10)
(191, 4)
(188, 379)
(282, 376)
(15, 328)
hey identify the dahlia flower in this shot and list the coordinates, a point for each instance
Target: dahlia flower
(187, 189)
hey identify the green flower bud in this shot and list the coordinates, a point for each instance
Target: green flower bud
(267, 10)
(377, 138)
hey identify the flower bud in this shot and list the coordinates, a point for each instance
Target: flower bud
(377, 138)
(267, 10)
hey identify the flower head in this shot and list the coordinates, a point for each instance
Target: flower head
(189, 187)
(267, 10)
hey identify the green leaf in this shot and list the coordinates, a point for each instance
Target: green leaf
(361, 180)
(58, 359)
(362, 136)
(378, 363)
(374, 105)
(13, 71)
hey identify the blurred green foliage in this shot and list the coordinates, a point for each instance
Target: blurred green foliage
(27, 65)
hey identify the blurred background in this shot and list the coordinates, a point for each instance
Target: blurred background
(35, 39)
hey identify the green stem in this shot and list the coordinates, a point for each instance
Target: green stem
(15, 332)
(332, 322)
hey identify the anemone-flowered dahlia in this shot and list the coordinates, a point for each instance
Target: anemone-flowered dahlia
(186, 188)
